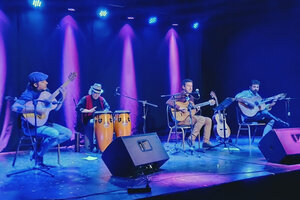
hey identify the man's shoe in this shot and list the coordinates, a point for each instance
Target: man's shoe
(207, 145)
(284, 124)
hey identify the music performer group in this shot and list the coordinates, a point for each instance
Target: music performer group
(93, 109)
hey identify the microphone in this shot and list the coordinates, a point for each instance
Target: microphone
(10, 98)
(117, 91)
(197, 92)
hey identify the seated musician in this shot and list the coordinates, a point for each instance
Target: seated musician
(52, 133)
(264, 116)
(197, 120)
(85, 108)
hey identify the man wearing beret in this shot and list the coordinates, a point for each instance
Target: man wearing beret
(52, 133)
(85, 108)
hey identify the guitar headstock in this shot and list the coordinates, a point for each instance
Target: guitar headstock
(280, 96)
(214, 96)
(72, 76)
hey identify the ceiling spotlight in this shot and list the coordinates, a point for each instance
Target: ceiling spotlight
(174, 24)
(152, 20)
(36, 3)
(71, 9)
(103, 13)
(195, 25)
(130, 18)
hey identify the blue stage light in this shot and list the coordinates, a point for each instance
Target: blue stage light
(152, 20)
(195, 25)
(103, 13)
(37, 3)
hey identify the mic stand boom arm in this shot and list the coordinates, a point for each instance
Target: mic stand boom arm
(144, 103)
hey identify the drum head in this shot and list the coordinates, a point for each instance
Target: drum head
(122, 111)
(102, 112)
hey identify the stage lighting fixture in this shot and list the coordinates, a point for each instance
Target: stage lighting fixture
(36, 3)
(71, 9)
(103, 13)
(131, 18)
(174, 24)
(152, 20)
(195, 25)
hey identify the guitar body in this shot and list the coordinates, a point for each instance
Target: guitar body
(41, 119)
(219, 126)
(259, 104)
(250, 112)
(181, 116)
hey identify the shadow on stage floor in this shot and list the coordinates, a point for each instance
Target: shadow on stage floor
(215, 174)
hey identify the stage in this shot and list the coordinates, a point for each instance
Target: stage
(220, 173)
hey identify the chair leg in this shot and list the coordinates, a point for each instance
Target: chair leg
(199, 141)
(254, 134)
(18, 148)
(238, 133)
(58, 154)
(168, 140)
(249, 133)
(183, 138)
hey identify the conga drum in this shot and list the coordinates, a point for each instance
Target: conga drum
(122, 123)
(104, 128)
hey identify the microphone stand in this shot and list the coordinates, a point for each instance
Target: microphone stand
(287, 108)
(144, 102)
(36, 167)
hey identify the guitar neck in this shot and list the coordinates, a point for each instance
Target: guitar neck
(202, 104)
(56, 92)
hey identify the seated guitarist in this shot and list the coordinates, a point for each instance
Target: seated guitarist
(263, 115)
(197, 120)
(52, 133)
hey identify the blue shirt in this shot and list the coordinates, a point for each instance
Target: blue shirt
(246, 94)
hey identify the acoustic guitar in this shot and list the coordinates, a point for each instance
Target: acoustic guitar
(48, 102)
(181, 116)
(219, 122)
(258, 103)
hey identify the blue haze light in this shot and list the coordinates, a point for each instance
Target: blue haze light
(36, 3)
(152, 20)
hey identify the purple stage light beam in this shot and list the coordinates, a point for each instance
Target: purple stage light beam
(70, 63)
(6, 129)
(3, 67)
(174, 66)
(128, 82)
(7, 126)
